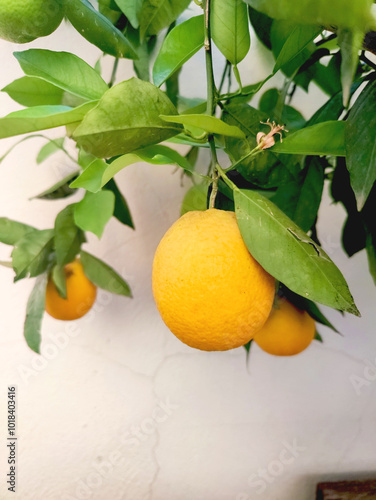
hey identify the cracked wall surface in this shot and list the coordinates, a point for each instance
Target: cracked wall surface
(123, 410)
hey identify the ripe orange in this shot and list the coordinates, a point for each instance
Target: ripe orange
(81, 294)
(210, 291)
(287, 331)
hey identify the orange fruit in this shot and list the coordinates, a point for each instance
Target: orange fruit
(287, 331)
(81, 294)
(209, 290)
(22, 21)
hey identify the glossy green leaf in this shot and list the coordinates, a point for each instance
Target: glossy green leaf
(342, 13)
(297, 41)
(63, 70)
(31, 91)
(97, 29)
(158, 14)
(156, 155)
(41, 118)
(207, 123)
(66, 238)
(181, 43)
(288, 254)
(121, 211)
(229, 29)
(131, 9)
(109, 9)
(30, 256)
(360, 148)
(126, 118)
(49, 149)
(327, 138)
(195, 198)
(34, 314)
(94, 211)
(350, 42)
(262, 25)
(91, 178)
(59, 279)
(11, 231)
(300, 197)
(104, 276)
(309, 306)
(59, 190)
(266, 169)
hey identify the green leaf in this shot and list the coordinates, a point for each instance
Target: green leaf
(59, 279)
(266, 169)
(59, 190)
(309, 306)
(11, 231)
(318, 337)
(31, 253)
(229, 29)
(34, 314)
(109, 9)
(104, 276)
(121, 211)
(262, 26)
(158, 14)
(49, 149)
(131, 9)
(94, 211)
(66, 239)
(342, 13)
(40, 118)
(300, 197)
(327, 138)
(30, 91)
(288, 254)
(297, 41)
(97, 29)
(209, 124)
(195, 198)
(350, 42)
(360, 148)
(156, 155)
(126, 118)
(91, 178)
(63, 70)
(181, 43)
(371, 254)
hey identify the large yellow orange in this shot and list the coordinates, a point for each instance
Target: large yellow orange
(210, 291)
(81, 294)
(287, 331)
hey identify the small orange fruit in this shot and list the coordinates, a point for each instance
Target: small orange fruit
(211, 293)
(287, 331)
(81, 294)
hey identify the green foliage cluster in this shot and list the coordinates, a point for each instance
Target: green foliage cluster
(278, 161)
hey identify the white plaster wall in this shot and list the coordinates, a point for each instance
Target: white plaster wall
(123, 410)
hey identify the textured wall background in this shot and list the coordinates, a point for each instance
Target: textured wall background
(117, 408)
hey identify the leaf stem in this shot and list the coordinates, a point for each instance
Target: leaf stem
(211, 92)
(254, 152)
(114, 71)
(211, 101)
